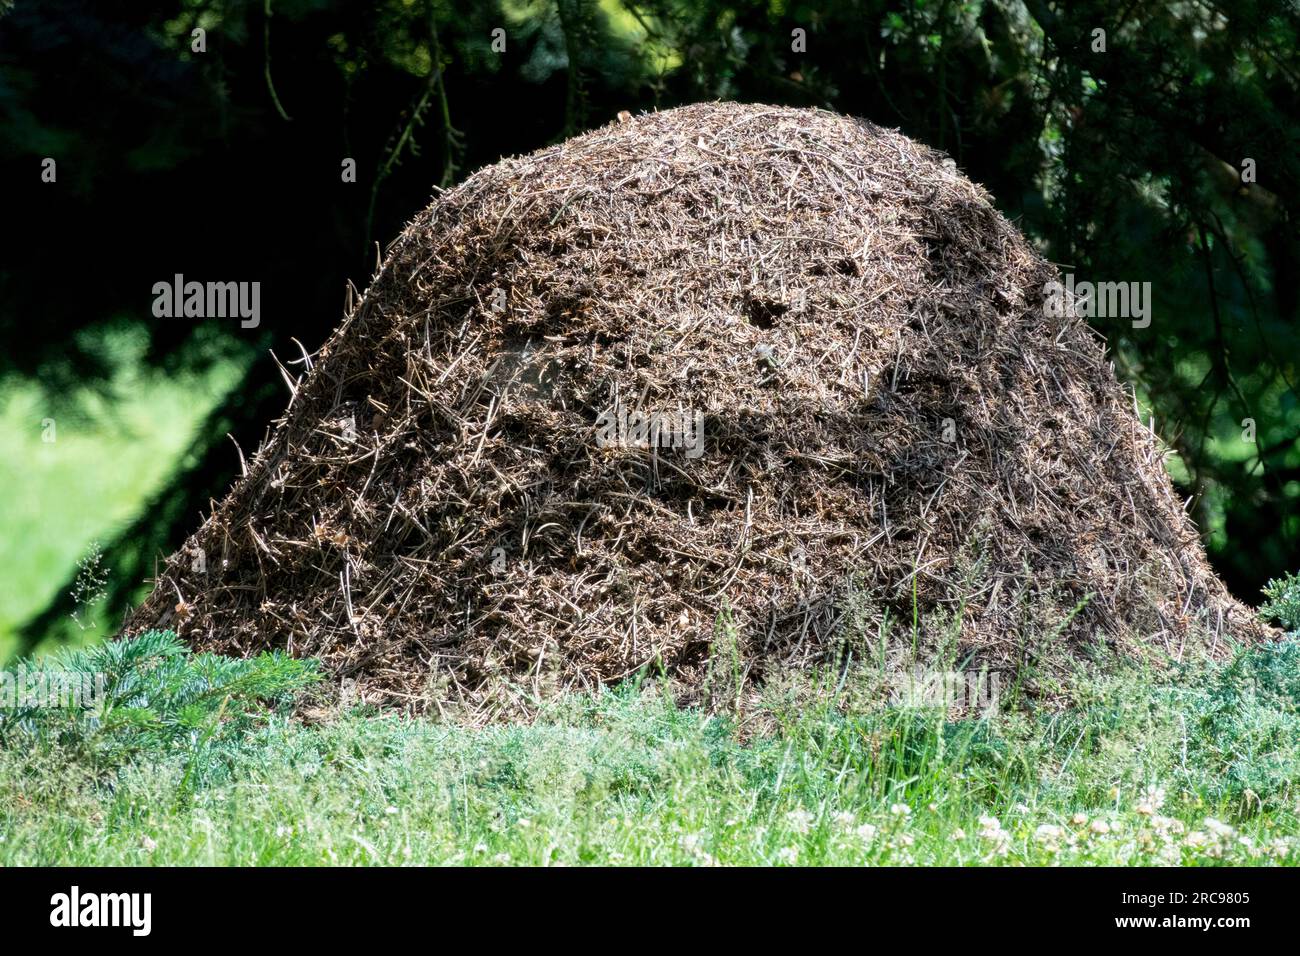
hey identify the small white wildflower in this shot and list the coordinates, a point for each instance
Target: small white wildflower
(959, 834)
(1079, 819)
(1196, 839)
(391, 811)
(844, 820)
(1049, 833)
(800, 820)
(900, 810)
(149, 844)
(1151, 800)
(788, 855)
(991, 830)
(866, 833)
(1220, 829)
(1099, 827)
(1166, 825)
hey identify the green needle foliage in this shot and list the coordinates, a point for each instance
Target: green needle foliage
(154, 696)
(1283, 604)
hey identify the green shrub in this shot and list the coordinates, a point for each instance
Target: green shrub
(153, 695)
(1283, 604)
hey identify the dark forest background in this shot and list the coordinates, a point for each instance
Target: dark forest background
(1121, 154)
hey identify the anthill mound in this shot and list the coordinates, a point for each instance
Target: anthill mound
(849, 383)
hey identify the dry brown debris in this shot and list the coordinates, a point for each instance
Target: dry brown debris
(838, 302)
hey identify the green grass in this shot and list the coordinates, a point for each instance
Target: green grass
(59, 496)
(198, 760)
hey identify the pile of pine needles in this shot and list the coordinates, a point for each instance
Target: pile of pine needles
(887, 410)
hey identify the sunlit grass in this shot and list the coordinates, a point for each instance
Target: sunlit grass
(75, 468)
(1181, 767)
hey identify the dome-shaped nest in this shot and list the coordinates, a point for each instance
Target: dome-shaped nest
(722, 369)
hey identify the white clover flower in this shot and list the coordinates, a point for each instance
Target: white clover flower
(1196, 839)
(1166, 826)
(800, 820)
(991, 830)
(1099, 827)
(1220, 829)
(959, 834)
(866, 833)
(1151, 800)
(1049, 833)
(900, 810)
(1079, 819)
(788, 855)
(844, 820)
